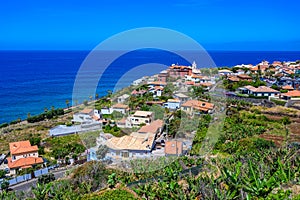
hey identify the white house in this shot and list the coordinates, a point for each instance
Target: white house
(123, 98)
(182, 97)
(141, 117)
(261, 91)
(172, 104)
(86, 115)
(135, 145)
(120, 108)
(106, 111)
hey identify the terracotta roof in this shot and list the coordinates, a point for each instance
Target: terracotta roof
(233, 79)
(24, 162)
(157, 83)
(189, 83)
(86, 111)
(122, 121)
(179, 67)
(287, 87)
(199, 105)
(142, 113)
(120, 105)
(158, 88)
(132, 142)
(151, 128)
(196, 76)
(261, 89)
(173, 147)
(22, 147)
(244, 76)
(207, 84)
(294, 93)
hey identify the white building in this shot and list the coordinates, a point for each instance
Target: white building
(120, 108)
(86, 115)
(172, 104)
(141, 117)
(123, 98)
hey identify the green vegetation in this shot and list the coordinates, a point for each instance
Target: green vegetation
(46, 115)
(61, 147)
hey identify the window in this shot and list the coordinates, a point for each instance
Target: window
(125, 154)
(14, 157)
(117, 153)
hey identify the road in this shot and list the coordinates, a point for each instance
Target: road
(25, 186)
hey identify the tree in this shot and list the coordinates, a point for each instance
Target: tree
(85, 102)
(68, 103)
(5, 185)
(97, 96)
(158, 111)
(46, 178)
(2, 173)
(101, 152)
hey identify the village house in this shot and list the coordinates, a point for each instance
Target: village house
(173, 148)
(135, 145)
(182, 97)
(287, 87)
(23, 156)
(291, 95)
(224, 72)
(140, 117)
(138, 92)
(122, 108)
(196, 107)
(244, 77)
(261, 91)
(172, 104)
(156, 91)
(179, 71)
(163, 76)
(86, 115)
(154, 127)
(123, 98)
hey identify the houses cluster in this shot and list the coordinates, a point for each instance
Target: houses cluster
(282, 79)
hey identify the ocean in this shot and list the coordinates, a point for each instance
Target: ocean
(31, 81)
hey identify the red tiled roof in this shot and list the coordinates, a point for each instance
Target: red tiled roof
(199, 105)
(173, 147)
(287, 87)
(294, 93)
(120, 105)
(22, 147)
(151, 128)
(86, 111)
(24, 162)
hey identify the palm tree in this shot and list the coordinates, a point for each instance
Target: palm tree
(67, 103)
(97, 96)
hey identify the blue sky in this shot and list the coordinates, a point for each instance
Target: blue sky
(215, 24)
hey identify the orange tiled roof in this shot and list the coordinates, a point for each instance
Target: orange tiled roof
(199, 105)
(120, 105)
(157, 83)
(173, 147)
(86, 111)
(22, 147)
(151, 128)
(287, 87)
(294, 93)
(24, 162)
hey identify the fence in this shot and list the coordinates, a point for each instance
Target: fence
(26, 177)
